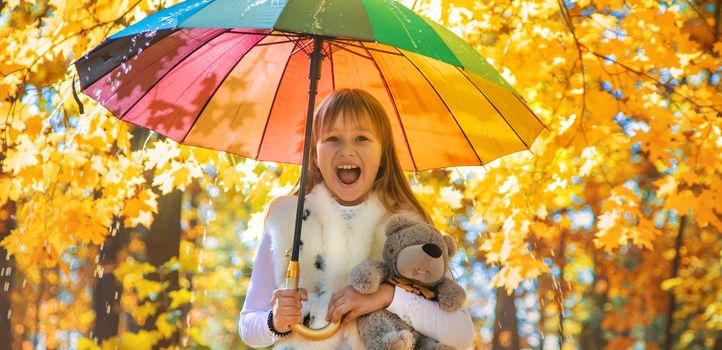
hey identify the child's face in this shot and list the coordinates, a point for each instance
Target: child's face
(349, 154)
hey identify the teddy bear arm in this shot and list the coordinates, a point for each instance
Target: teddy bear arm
(367, 276)
(450, 295)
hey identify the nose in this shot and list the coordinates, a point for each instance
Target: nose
(432, 249)
(347, 149)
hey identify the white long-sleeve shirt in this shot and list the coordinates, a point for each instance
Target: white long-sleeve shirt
(451, 328)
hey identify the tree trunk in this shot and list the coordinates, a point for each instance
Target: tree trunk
(668, 336)
(162, 244)
(592, 335)
(540, 300)
(506, 325)
(107, 291)
(106, 295)
(560, 284)
(7, 224)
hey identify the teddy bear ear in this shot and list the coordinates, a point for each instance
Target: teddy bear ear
(399, 222)
(450, 244)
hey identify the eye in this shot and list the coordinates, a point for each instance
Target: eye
(331, 139)
(362, 138)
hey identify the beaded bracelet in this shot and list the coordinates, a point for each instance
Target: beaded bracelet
(273, 330)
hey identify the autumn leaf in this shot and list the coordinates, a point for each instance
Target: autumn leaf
(179, 297)
(23, 155)
(165, 328)
(139, 210)
(149, 289)
(142, 312)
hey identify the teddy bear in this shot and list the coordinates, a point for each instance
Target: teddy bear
(416, 258)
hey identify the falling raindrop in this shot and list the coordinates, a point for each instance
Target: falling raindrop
(166, 20)
(252, 5)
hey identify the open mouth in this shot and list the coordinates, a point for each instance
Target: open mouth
(348, 174)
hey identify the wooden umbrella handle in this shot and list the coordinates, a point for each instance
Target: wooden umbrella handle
(309, 333)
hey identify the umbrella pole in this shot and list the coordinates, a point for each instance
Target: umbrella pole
(292, 273)
(314, 75)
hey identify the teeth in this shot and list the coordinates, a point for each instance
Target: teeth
(347, 166)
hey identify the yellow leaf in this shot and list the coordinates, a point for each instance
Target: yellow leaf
(680, 201)
(666, 185)
(87, 344)
(164, 327)
(23, 155)
(195, 334)
(179, 297)
(132, 269)
(161, 154)
(644, 233)
(671, 283)
(139, 210)
(610, 235)
(146, 288)
(718, 48)
(189, 257)
(142, 312)
(143, 340)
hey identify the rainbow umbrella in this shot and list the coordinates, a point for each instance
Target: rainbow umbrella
(231, 75)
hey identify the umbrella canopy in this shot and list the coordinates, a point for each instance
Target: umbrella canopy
(231, 75)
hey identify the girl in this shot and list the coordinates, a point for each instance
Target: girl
(354, 184)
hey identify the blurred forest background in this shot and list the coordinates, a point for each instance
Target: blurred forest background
(606, 237)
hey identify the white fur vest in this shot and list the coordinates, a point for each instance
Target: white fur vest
(334, 240)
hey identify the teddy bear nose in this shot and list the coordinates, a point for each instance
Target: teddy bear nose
(432, 249)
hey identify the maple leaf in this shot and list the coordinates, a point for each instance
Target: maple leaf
(141, 313)
(666, 185)
(179, 297)
(161, 154)
(143, 340)
(508, 277)
(682, 202)
(717, 48)
(165, 328)
(189, 257)
(147, 288)
(23, 155)
(644, 234)
(132, 270)
(610, 235)
(139, 210)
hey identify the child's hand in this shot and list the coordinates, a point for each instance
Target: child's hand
(286, 305)
(353, 304)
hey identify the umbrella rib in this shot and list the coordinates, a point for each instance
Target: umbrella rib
(208, 100)
(169, 70)
(277, 42)
(108, 42)
(349, 51)
(530, 111)
(330, 59)
(447, 107)
(270, 33)
(393, 103)
(362, 46)
(300, 48)
(496, 109)
(273, 103)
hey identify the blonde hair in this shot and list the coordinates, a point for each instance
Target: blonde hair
(391, 184)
